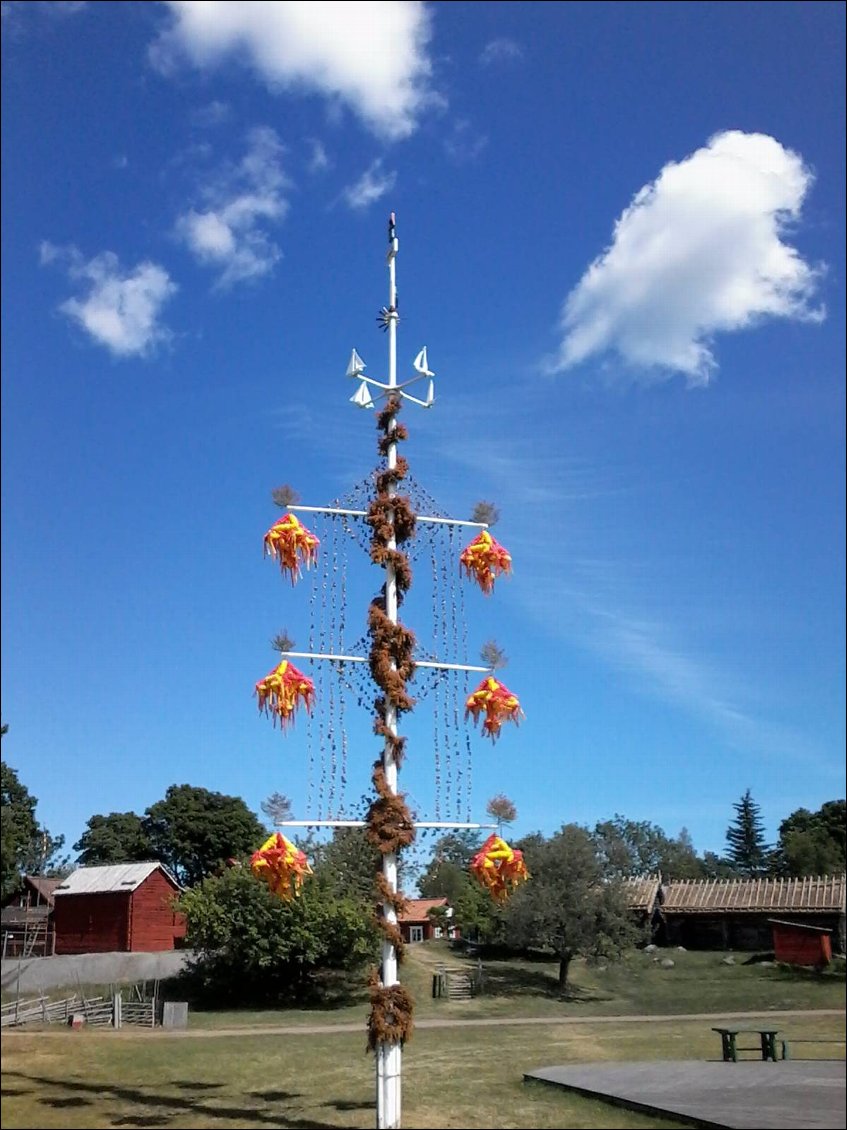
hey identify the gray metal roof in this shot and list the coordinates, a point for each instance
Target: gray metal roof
(111, 879)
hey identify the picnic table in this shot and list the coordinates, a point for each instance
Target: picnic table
(730, 1047)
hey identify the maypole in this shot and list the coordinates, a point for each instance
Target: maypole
(389, 825)
(389, 822)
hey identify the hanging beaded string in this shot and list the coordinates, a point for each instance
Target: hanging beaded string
(310, 726)
(342, 685)
(323, 633)
(464, 683)
(442, 647)
(436, 710)
(455, 681)
(332, 567)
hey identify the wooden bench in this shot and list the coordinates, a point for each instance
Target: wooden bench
(730, 1046)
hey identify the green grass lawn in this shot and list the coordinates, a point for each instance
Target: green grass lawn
(452, 1077)
(699, 982)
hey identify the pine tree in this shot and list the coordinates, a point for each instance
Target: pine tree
(748, 850)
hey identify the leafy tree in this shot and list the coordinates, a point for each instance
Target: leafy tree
(25, 846)
(458, 847)
(347, 865)
(251, 945)
(119, 837)
(748, 850)
(570, 905)
(715, 867)
(194, 831)
(18, 827)
(813, 843)
(443, 879)
(637, 847)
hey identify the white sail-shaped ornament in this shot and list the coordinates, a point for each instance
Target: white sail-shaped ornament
(422, 365)
(362, 396)
(355, 366)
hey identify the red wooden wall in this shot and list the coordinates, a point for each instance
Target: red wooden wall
(801, 947)
(153, 924)
(143, 920)
(92, 923)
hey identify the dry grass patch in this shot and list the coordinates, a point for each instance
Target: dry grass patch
(453, 1077)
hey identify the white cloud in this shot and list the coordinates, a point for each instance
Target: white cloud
(371, 55)
(319, 159)
(119, 309)
(371, 185)
(226, 232)
(698, 252)
(500, 51)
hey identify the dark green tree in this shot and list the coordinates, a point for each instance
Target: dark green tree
(717, 867)
(253, 946)
(119, 837)
(813, 843)
(26, 847)
(347, 865)
(637, 847)
(748, 851)
(570, 905)
(443, 879)
(194, 831)
(18, 827)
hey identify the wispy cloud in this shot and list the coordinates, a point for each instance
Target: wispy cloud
(14, 11)
(464, 143)
(501, 50)
(373, 184)
(214, 113)
(118, 308)
(318, 157)
(373, 56)
(699, 251)
(227, 231)
(597, 595)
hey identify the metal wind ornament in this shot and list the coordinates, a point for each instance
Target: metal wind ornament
(392, 518)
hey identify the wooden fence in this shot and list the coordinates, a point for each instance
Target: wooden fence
(102, 1012)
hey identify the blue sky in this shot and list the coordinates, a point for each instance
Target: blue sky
(622, 241)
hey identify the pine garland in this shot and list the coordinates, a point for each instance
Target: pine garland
(389, 826)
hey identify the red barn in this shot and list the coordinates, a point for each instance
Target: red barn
(117, 909)
(799, 944)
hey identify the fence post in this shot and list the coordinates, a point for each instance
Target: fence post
(117, 1017)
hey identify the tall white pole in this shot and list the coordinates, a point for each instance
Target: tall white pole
(389, 1055)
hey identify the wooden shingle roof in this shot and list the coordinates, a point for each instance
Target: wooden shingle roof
(641, 891)
(821, 893)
